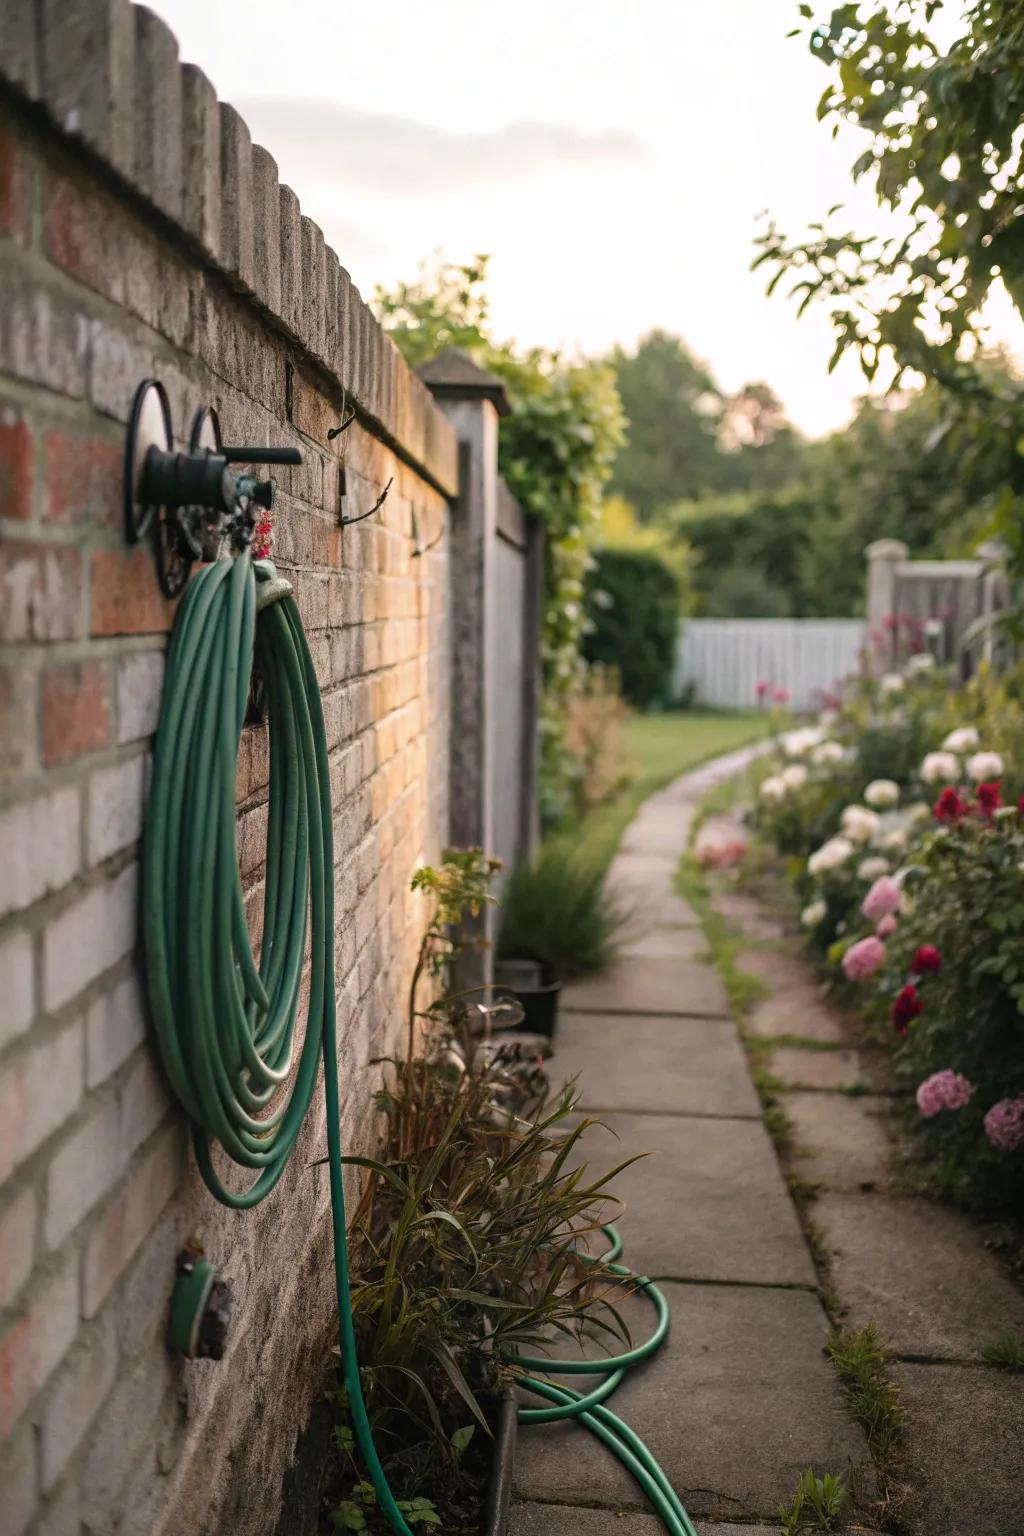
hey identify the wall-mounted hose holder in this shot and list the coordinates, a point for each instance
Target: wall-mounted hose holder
(195, 505)
(200, 1309)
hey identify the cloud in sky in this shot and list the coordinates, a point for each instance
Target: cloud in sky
(399, 156)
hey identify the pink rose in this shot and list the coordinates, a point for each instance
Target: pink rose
(1004, 1124)
(943, 1090)
(882, 900)
(887, 926)
(863, 959)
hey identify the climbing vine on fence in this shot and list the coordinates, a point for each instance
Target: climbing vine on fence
(556, 451)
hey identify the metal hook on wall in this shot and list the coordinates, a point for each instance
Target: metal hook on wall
(381, 499)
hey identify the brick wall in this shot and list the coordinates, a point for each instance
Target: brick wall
(142, 234)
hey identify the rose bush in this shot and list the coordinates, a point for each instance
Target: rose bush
(905, 837)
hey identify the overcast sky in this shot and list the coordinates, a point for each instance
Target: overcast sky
(612, 156)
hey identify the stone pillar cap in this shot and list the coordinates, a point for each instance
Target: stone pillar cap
(453, 375)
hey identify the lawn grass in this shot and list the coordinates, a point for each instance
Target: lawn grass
(658, 749)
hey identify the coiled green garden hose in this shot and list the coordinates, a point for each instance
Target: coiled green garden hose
(226, 1029)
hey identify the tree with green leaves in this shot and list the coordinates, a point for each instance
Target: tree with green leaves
(555, 451)
(941, 121)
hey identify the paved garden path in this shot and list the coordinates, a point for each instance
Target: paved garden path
(742, 1398)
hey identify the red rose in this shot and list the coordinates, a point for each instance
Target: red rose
(949, 806)
(927, 959)
(1020, 805)
(906, 1007)
(989, 799)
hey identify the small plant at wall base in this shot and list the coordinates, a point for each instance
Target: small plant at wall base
(557, 909)
(555, 450)
(464, 1248)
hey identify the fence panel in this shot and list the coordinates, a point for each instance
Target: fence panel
(721, 661)
(517, 575)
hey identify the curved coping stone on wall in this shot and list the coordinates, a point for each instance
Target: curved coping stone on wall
(108, 74)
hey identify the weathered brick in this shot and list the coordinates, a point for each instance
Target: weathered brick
(81, 1171)
(89, 74)
(126, 599)
(40, 1086)
(79, 236)
(75, 1398)
(88, 937)
(19, 54)
(17, 986)
(158, 112)
(115, 808)
(41, 595)
(200, 158)
(18, 1477)
(236, 232)
(18, 722)
(18, 1221)
(15, 189)
(82, 478)
(61, 1513)
(17, 452)
(118, 360)
(134, 1211)
(314, 287)
(114, 1027)
(43, 335)
(139, 690)
(75, 710)
(145, 1101)
(35, 1342)
(122, 1444)
(291, 261)
(266, 223)
(40, 841)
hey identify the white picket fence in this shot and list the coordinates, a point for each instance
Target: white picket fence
(721, 661)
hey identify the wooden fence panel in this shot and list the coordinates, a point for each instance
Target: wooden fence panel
(721, 661)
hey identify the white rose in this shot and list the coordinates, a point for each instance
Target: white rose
(828, 718)
(812, 914)
(882, 793)
(773, 788)
(895, 840)
(890, 682)
(919, 811)
(922, 661)
(860, 824)
(828, 752)
(984, 765)
(962, 740)
(799, 743)
(830, 855)
(871, 868)
(795, 776)
(940, 766)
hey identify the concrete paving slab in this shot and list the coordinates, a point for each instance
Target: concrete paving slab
(739, 1401)
(658, 1065)
(748, 916)
(569, 1520)
(795, 1012)
(841, 1142)
(669, 985)
(816, 1069)
(918, 1271)
(631, 874)
(707, 1203)
(964, 1453)
(664, 943)
(782, 969)
(661, 830)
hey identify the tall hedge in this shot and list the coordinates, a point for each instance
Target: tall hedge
(632, 605)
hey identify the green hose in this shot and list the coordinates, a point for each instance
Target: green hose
(226, 1028)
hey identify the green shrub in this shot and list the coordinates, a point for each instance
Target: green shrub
(557, 909)
(632, 609)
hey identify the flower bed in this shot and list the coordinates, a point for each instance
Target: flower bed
(901, 815)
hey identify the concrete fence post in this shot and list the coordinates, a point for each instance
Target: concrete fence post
(473, 400)
(884, 557)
